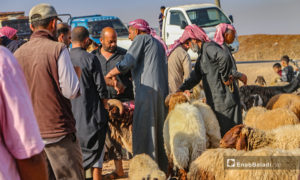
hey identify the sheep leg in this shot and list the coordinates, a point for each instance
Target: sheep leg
(182, 174)
(170, 171)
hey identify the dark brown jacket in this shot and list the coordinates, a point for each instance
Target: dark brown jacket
(38, 59)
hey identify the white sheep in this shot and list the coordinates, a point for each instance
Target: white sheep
(212, 126)
(144, 167)
(213, 132)
(261, 118)
(211, 165)
(288, 101)
(241, 137)
(184, 136)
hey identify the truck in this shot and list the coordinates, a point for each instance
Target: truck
(16, 20)
(95, 24)
(206, 16)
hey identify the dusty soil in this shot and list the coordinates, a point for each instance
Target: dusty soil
(268, 47)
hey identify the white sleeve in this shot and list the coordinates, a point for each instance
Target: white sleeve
(68, 80)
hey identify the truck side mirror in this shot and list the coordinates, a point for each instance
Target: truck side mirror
(183, 24)
(231, 18)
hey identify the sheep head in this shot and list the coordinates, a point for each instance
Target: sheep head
(236, 137)
(176, 98)
(117, 114)
(116, 106)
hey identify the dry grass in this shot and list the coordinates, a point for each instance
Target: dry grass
(268, 47)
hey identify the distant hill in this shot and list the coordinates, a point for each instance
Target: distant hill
(268, 47)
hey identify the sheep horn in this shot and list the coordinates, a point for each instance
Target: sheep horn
(115, 102)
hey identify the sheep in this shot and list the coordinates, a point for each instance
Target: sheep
(143, 167)
(211, 123)
(211, 165)
(120, 123)
(260, 81)
(242, 137)
(261, 118)
(187, 121)
(184, 135)
(213, 132)
(251, 95)
(289, 101)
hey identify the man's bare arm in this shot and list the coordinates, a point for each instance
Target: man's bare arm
(33, 168)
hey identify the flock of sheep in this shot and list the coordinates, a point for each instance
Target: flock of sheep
(193, 141)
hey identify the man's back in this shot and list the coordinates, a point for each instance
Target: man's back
(287, 74)
(38, 59)
(179, 68)
(150, 68)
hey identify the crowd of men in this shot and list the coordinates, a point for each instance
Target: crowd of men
(53, 105)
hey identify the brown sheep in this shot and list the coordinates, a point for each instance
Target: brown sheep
(120, 123)
(242, 137)
(288, 101)
(261, 118)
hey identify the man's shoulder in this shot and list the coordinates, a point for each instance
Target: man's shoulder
(121, 51)
(178, 52)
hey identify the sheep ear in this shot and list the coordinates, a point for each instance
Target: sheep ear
(241, 143)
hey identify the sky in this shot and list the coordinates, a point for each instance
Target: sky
(250, 16)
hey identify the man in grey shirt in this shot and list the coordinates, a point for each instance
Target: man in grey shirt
(179, 65)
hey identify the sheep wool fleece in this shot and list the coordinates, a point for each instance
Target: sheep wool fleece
(147, 61)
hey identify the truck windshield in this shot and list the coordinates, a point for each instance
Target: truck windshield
(207, 17)
(95, 27)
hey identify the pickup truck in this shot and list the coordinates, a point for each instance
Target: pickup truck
(95, 24)
(206, 16)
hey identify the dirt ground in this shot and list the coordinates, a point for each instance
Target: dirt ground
(268, 47)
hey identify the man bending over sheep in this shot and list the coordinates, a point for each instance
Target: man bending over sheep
(214, 68)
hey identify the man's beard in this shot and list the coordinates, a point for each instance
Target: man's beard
(110, 49)
(195, 48)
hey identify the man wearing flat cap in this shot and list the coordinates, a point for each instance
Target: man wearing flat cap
(52, 82)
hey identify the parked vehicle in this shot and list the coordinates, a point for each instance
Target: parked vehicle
(18, 21)
(206, 16)
(95, 24)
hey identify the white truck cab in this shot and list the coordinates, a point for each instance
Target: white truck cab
(206, 16)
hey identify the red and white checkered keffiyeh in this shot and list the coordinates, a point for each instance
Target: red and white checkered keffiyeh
(143, 25)
(221, 29)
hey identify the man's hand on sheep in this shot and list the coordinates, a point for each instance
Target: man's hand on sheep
(118, 86)
(229, 81)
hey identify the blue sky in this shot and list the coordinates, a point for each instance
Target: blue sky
(250, 16)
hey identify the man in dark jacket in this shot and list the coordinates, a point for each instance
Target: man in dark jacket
(109, 54)
(89, 108)
(214, 68)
